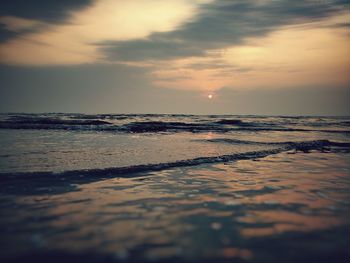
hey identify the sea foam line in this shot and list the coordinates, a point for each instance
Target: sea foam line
(132, 171)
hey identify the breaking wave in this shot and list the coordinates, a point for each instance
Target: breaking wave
(152, 123)
(132, 171)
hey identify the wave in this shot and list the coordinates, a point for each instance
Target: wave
(135, 123)
(132, 171)
(298, 146)
(27, 120)
(236, 141)
(146, 127)
(220, 126)
(231, 122)
(159, 126)
(102, 116)
(240, 123)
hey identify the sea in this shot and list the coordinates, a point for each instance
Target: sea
(174, 188)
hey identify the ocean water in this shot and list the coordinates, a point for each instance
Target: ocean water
(173, 188)
(73, 142)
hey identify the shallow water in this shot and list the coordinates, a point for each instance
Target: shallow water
(37, 150)
(173, 188)
(296, 203)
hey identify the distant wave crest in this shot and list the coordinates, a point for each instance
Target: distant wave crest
(134, 123)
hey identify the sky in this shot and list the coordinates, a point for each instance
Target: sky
(266, 57)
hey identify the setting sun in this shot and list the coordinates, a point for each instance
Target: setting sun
(210, 96)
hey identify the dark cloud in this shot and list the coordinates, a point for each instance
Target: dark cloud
(46, 10)
(341, 25)
(223, 23)
(6, 34)
(50, 11)
(153, 48)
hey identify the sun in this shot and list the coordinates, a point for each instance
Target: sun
(210, 96)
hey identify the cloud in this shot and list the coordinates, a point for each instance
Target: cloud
(190, 44)
(76, 40)
(77, 32)
(17, 24)
(223, 23)
(11, 26)
(37, 11)
(48, 10)
(6, 34)
(289, 57)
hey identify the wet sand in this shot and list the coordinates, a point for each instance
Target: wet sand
(282, 208)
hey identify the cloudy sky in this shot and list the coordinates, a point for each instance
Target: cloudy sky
(280, 57)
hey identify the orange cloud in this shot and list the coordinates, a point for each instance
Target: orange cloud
(305, 55)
